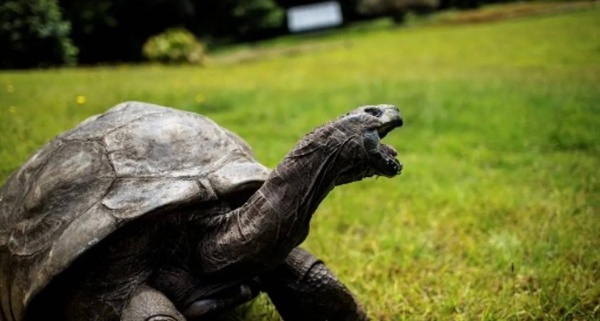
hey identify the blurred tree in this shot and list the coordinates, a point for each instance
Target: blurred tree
(397, 9)
(236, 20)
(115, 30)
(33, 34)
(466, 4)
(256, 17)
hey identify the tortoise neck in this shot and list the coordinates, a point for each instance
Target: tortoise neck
(276, 218)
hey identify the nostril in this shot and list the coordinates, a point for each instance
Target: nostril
(374, 111)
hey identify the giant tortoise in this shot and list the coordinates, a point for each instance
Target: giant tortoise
(150, 213)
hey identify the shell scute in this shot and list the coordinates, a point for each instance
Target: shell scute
(131, 197)
(98, 126)
(66, 186)
(168, 144)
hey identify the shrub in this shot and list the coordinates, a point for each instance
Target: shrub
(397, 9)
(255, 17)
(175, 45)
(33, 33)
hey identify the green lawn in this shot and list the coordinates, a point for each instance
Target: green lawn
(497, 213)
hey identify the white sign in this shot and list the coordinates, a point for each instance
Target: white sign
(314, 16)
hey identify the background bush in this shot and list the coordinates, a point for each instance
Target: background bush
(175, 45)
(257, 17)
(111, 30)
(116, 30)
(397, 9)
(33, 33)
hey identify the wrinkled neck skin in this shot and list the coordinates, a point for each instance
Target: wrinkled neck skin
(260, 234)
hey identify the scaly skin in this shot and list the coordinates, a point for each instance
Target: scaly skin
(302, 288)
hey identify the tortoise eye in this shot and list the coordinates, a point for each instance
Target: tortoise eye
(374, 111)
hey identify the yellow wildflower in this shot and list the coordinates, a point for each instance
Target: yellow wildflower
(10, 88)
(80, 100)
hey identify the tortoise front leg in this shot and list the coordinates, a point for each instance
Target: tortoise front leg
(148, 304)
(197, 300)
(303, 288)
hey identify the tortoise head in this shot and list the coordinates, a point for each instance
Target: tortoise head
(354, 142)
(365, 127)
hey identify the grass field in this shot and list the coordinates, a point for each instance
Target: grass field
(497, 213)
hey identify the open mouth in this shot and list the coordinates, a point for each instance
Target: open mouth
(385, 162)
(383, 157)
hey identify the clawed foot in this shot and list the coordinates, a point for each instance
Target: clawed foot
(222, 301)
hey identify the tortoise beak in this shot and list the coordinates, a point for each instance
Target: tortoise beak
(390, 118)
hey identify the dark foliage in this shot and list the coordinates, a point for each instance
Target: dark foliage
(33, 34)
(110, 30)
(236, 20)
(397, 9)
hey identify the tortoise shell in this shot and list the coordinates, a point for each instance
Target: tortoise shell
(113, 168)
